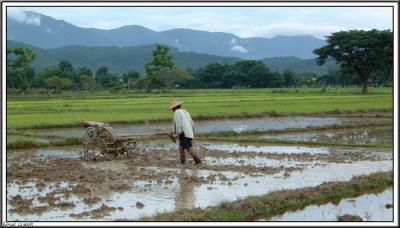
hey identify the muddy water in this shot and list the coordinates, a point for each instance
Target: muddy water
(258, 161)
(381, 154)
(163, 196)
(237, 125)
(353, 136)
(171, 149)
(184, 186)
(233, 147)
(370, 207)
(60, 152)
(30, 191)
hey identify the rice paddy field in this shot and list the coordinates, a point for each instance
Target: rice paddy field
(71, 109)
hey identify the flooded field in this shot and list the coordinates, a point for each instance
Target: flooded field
(237, 125)
(383, 135)
(370, 207)
(54, 184)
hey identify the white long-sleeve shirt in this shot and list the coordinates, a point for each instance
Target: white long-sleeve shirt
(183, 123)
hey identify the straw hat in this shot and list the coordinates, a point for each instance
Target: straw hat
(174, 103)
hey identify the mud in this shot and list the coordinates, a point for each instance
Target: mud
(360, 136)
(139, 205)
(50, 199)
(300, 153)
(98, 213)
(91, 200)
(64, 205)
(25, 206)
(20, 205)
(349, 218)
(120, 188)
(56, 184)
(196, 188)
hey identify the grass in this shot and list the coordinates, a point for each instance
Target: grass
(71, 109)
(27, 142)
(23, 143)
(277, 202)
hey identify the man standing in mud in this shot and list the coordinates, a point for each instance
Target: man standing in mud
(183, 130)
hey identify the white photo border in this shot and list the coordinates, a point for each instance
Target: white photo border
(393, 4)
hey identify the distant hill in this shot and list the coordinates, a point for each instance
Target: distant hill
(117, 59)
(298, 65)
(122, 59)
(46, 32)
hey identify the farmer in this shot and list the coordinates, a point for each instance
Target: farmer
(183, 129)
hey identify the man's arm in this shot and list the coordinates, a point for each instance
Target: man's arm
(173, 126)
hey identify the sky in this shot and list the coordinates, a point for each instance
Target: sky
(242, 21)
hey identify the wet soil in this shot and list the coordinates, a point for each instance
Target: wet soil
(91, 181)
(360, 136)
(57, 183)
(349, 218)
(96, 213)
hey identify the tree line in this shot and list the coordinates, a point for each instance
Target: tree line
(365, 58)
(21, 76)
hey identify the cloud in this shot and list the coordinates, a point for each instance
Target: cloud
(239, 49)
(21, 16)
(236, 47)
(177, 42)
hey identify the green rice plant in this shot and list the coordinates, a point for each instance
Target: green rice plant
(71, 109)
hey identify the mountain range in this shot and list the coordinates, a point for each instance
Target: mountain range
(123, 59)
(49, 33)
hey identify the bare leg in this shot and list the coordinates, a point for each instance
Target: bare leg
(182, 155)
(194, 155)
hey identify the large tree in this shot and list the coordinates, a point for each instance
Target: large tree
(161, 59)
(358, 51)
(58, 84)
(255, 73)
(173, 77)
(130, 78)
(67, 71)
(18, 69)
(105, 78)
(288, 77)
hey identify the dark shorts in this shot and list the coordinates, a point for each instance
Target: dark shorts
(184, 142)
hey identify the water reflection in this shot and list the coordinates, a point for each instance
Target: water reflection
(185, 197)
